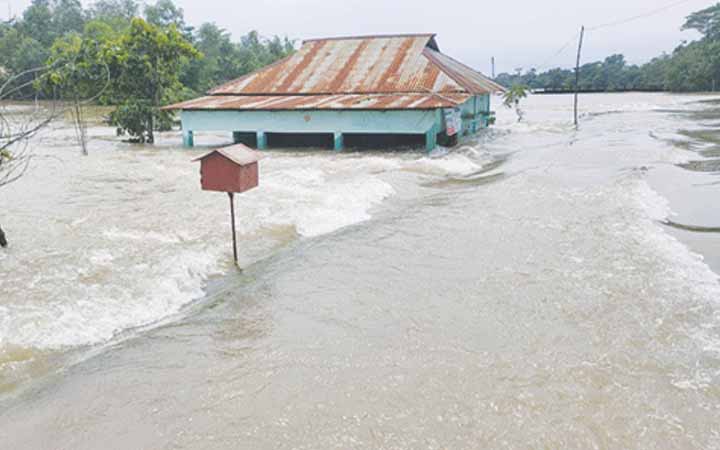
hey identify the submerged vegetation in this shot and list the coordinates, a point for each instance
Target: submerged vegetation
(115, 54)
(512, 97)
(693, 66)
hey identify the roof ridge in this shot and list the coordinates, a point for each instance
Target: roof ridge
(371, 36)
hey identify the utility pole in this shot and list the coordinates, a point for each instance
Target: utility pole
(577, 73)
(492, 64)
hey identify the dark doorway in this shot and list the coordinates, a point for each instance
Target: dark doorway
(302, 140)
(384, 141)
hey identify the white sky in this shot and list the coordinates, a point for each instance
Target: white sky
(519, 33)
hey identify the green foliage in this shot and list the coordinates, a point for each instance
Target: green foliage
(114, 10)
(512, 97)
(706, 21)
(164, 13)
(225, 60)
(77, 66)
(693, 66)
(19, 56)
(145, 63)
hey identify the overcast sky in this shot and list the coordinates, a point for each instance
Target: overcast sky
(518, 33)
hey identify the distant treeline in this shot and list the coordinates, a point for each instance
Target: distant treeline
(29, 41)
(691, 67)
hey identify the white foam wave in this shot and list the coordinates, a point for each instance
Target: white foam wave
(155, 256)
(454, 163)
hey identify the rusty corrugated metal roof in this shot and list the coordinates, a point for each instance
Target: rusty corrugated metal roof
(362, 72)
(323, 102)
(473, 81)
(357, 65)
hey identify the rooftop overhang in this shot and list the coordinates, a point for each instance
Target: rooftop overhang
(359, 102)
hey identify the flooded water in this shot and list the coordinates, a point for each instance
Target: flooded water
(539, 287)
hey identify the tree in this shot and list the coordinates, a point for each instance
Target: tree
(512, 97)
(68, 17)
(20, 55)
(706, 21)
(47, 20)
(145, 63)
(164, 13)
(37, 22)
(111, 10)
(79, 73)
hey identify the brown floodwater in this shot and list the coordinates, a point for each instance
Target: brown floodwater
(538, 287)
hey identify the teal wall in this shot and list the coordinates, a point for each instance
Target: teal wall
(475, 113)
(408, 121)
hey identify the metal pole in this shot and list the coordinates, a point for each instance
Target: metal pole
(492, 63)
(232, 221)
(577, 73)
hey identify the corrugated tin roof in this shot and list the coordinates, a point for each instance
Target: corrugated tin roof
(323, 102)
(359, 65)
(362, 72)
(239, 154)
(473, 81)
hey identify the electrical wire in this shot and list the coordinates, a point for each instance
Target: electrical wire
(557, 53)
(608, 25)
(639, 16)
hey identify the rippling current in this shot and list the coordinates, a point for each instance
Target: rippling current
(538, 287)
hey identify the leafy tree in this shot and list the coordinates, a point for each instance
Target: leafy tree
(68, 17)
(512, 97)
(47, 20)
(37, 22)
(225, 60)
(706, 21)
(146, 64)
(164, 13)
(21, 57)
(79, 73)
(113, 10)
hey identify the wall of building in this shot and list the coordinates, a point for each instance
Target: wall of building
(408, 121)
(475, 114)
(429, 123)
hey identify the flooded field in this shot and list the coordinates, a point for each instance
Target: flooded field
(539, 287)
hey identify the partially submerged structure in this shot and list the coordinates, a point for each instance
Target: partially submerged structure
(353, 91)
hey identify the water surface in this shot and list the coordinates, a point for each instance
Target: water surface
(537, 287)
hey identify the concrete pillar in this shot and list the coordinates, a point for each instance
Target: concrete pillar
(237, 137)
(339, 142)
(188, 139)
(261, 140)
(431, 139)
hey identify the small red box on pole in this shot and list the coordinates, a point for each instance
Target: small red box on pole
(232, 169)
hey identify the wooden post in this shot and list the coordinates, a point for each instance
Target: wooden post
(577, 73)
(232, 222)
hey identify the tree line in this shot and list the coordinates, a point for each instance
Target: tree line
(691, 67)
(116, 53)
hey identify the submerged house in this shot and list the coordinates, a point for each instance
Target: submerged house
(351, 91)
